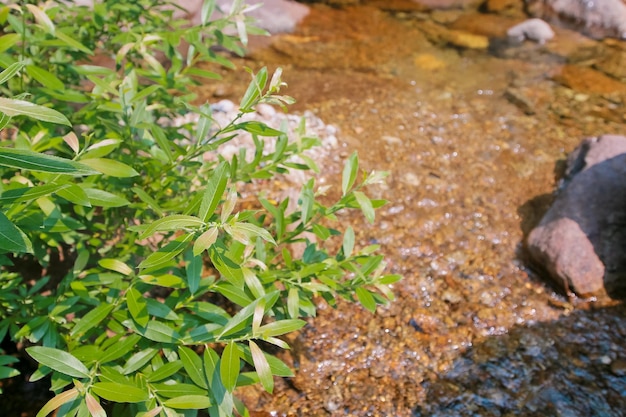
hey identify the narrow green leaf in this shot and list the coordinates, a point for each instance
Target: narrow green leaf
(12, 69)
(177, 390)
(188, 402)
(278, 214)
(241, 316)
(102, 148)
(193, 366)
(119, 349)
(293, 303)
(161, 310)
(74, 194)
(214, 191)
(229, 366)
(228, 267)
(280, 327)
(255, 89)
(120, 393)
(366, 206)
(138, 360)
(164, 280)
(45, 78)
(12, 239)
(234, 294)
(6, 372)
(169, 223)
(137, 306)
(8, 40)
(262, 367)
(34, 161)
(208, 7)
(278, 367)
(151, 202)
(71, 41)
(6, 359)
(164, 371)
(210, 360)
(307, 200)
(252, 231)
(13, 107)
(205, 240)
(110, 167)
(229, 205)
(366, 299)
(258, 128)
(349, 173)
(4, 120)
(194, 273)
(203, 333)
(253, 282)
(348, 242)
(59, 360)
(159, 136)
(145, 92)
(389, 279)
(116, 265)
(167, 252)
(92, 319)
(101, 198)
(25, 194)
(204, 124)
(160, 332)
(57, 401)
(212, 365)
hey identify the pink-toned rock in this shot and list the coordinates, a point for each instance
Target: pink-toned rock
(275, 15)
(596, 18)
(581, 239)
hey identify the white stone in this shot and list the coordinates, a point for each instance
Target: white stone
(266, 110)
(533, 29)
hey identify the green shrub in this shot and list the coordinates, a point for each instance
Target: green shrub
(127, 263)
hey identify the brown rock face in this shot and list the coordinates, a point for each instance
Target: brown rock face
(449, 4)
(587, 80)
(514, 7)
(580, 241)
(490, 25)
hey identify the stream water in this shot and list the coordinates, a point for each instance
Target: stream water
(473, 140)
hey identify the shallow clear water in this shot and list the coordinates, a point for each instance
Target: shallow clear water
(472, 139)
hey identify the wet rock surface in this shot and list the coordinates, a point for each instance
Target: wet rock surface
(581, 239)
(470, 137)
(570, 367)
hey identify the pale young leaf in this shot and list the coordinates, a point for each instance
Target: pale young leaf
(72, 140)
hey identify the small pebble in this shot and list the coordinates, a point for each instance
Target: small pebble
(580, 97)
(223, 106)
(618, 367)
(266, 110)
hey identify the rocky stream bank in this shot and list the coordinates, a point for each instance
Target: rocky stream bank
(475, 131)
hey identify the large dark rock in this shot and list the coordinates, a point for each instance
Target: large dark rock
(581, 240)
